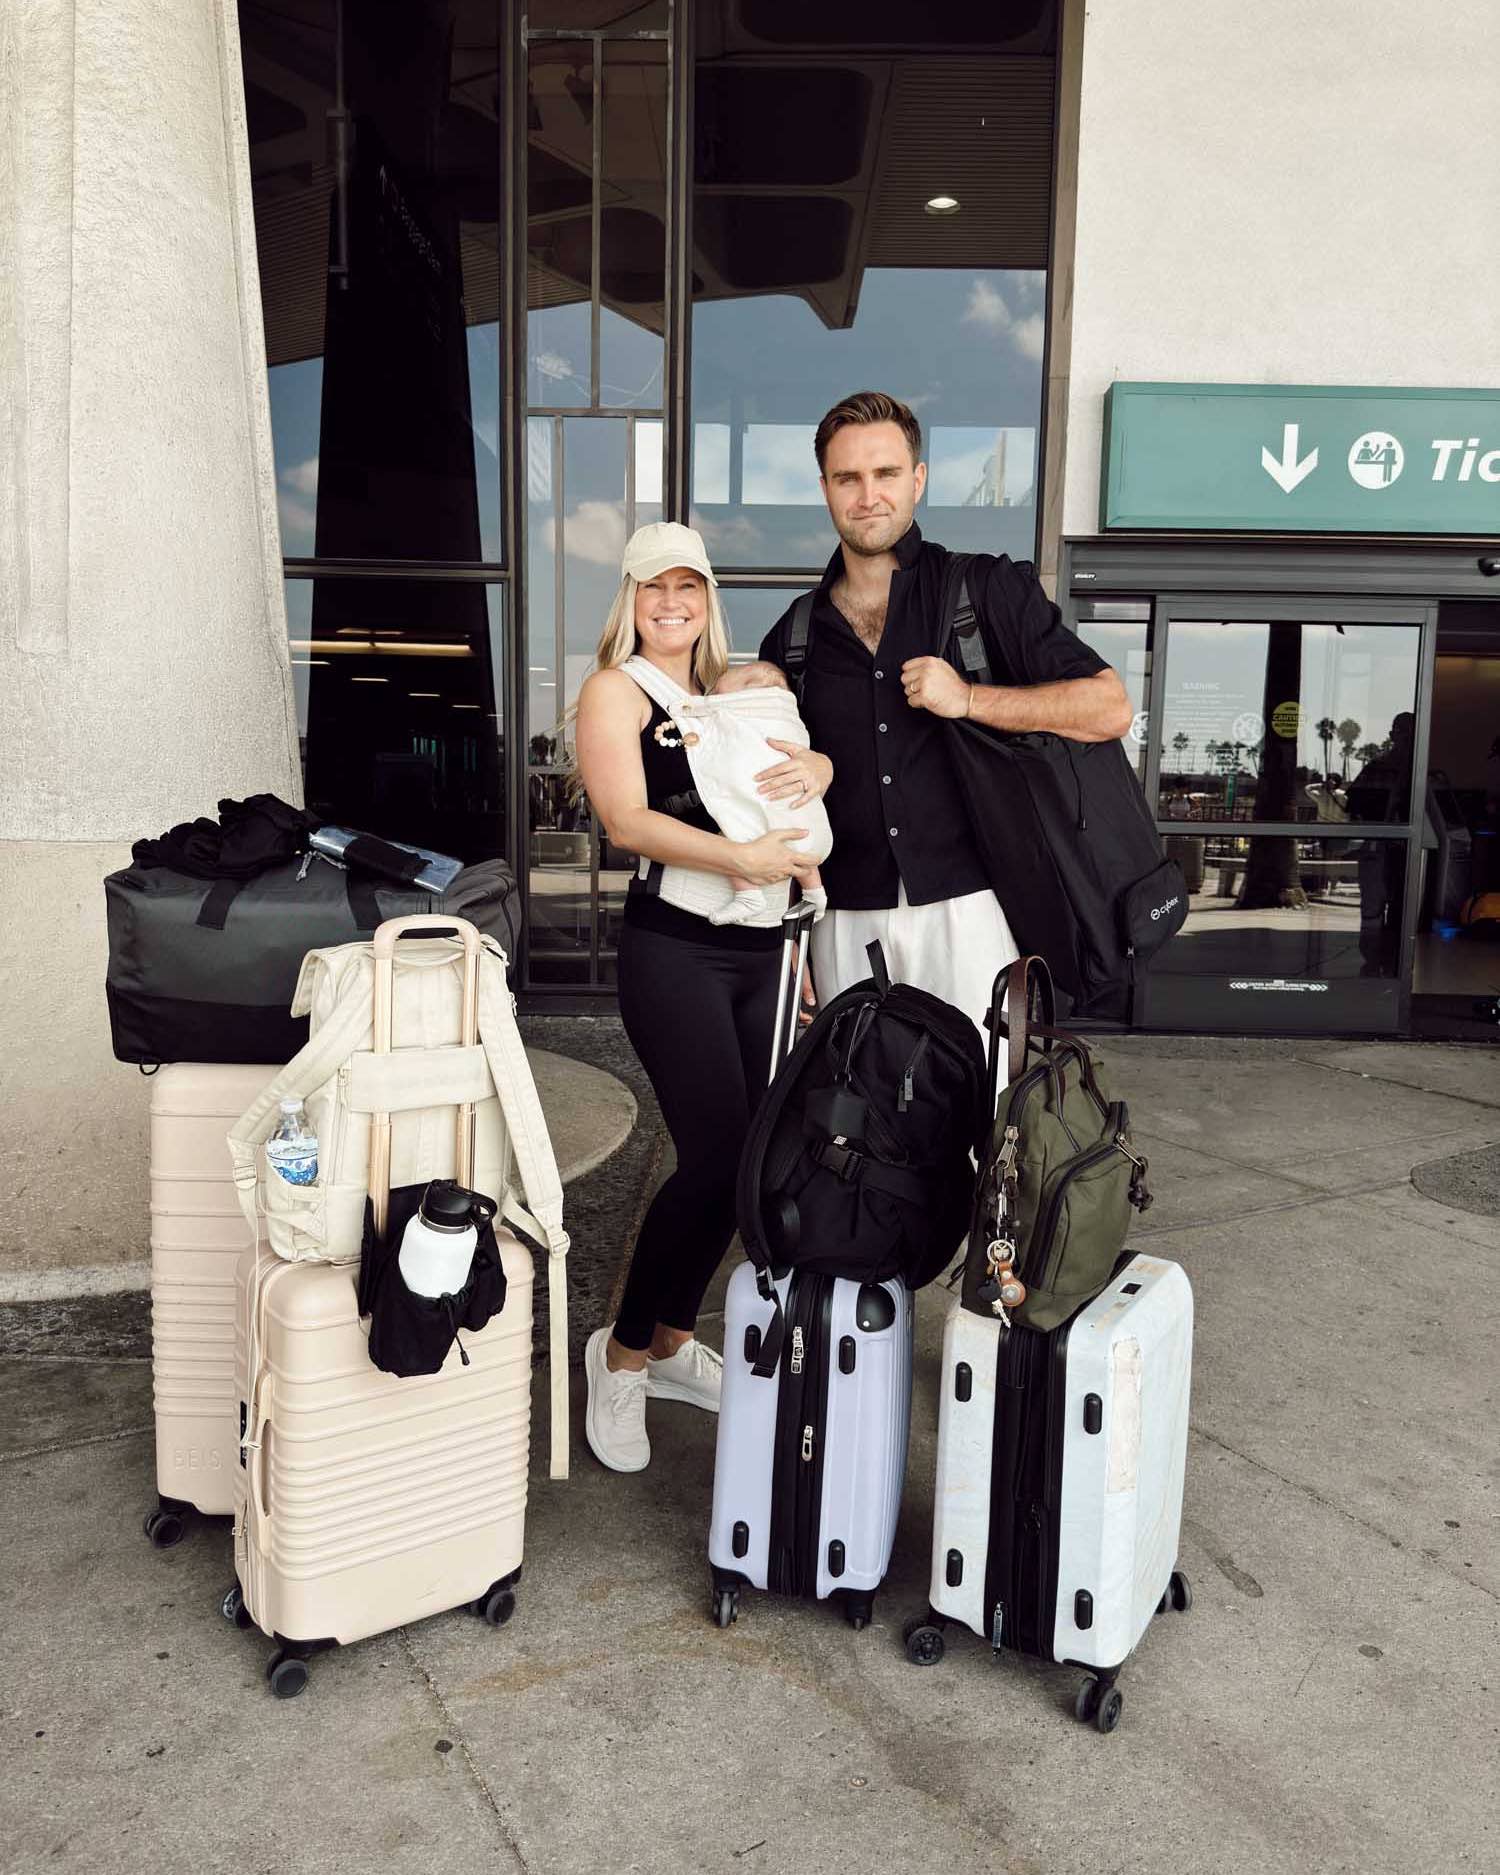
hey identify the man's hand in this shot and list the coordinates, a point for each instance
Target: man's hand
(933, 684)
(803, 777)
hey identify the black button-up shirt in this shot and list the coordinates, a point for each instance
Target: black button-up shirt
(897, 815)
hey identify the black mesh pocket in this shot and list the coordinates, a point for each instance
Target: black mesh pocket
(411, 1334)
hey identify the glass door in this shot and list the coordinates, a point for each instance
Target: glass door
(1284, 739)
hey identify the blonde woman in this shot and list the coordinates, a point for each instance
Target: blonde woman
(697, 999)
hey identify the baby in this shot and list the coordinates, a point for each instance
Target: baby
(750, 705)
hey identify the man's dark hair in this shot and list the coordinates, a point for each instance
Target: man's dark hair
(868, 407)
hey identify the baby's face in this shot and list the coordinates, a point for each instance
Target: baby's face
(750, 677)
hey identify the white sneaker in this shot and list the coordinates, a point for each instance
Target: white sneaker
(614, 1422)
(694, 1374)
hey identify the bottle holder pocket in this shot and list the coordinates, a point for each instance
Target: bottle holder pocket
(412, 1334)
(296, 1216)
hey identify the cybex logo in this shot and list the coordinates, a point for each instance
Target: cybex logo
(191, 1458)
(1162, 910)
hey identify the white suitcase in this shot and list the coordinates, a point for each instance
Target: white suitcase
(198, 1234)
(363, 1500)
(810, 1460)
(1059, 1480)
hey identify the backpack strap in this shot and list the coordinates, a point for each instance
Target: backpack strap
(798, 634)
(655, 682)
(959, 624)
(537, 1165)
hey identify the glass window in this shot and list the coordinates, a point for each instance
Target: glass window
(1265, 906)
(399, 707)
(965, 347)
(375, 161)
(880, 222)
(1284, 720)
(560, 224)
(750, 612)
(633, 224)
(1120, 631)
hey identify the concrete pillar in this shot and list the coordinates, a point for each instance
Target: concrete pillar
(143, 656)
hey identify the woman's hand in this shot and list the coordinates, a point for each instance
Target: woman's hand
(772, 858)
(804, 776)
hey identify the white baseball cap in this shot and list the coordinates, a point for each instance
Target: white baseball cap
(662, 544)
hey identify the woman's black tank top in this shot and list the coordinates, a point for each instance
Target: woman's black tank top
(670, 790)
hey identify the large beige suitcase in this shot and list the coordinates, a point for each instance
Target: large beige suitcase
(198, 1234)
(364, 1501)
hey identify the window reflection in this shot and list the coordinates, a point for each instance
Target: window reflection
(1119, 630)
(374, 153)
(398, 707)
(964, 346)
(1282, 720)
(1264, 906)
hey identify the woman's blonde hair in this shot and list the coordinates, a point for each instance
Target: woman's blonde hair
(619, 641)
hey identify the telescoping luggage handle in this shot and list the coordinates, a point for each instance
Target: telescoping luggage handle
(384, 948)
(796, 924)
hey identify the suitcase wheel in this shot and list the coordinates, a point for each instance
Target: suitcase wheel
(726, 1607)
(164, 1527)
(1180, 1592)
(923, 1636)
(859, 1610)
(286, 1675)
(496, 1605)
(233, 1608)
(1099, 1703)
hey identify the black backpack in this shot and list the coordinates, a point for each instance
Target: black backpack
(1066, 836)
(857, 1163)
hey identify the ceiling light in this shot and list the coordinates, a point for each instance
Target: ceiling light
(369, 680)
(311, 661)
(466, 706)
(942, 205)
(424, 693)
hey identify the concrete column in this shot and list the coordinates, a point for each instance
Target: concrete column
(143, 657)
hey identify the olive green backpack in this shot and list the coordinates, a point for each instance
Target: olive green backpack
(1059, 1175)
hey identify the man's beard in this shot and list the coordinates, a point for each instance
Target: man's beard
(880, 541)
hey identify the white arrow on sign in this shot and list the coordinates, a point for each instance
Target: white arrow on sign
(1288, 472)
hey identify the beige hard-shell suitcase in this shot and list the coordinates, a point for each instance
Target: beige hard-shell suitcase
(198, 1234)
(364, 1501)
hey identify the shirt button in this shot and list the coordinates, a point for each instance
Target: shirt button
(893, 833)
(882, 729)
(886, 779)
(880, 673)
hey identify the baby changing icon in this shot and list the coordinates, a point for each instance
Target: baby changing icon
(1376, 459)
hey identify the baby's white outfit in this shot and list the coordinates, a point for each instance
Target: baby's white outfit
(726, 742)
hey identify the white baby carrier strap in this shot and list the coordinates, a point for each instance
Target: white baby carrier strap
(702, 893)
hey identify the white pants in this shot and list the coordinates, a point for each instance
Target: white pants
(952, 949)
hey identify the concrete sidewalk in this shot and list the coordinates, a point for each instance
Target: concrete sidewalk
(1330, 1703)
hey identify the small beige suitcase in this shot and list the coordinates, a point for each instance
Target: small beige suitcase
(198, 1234)
(364, 1501)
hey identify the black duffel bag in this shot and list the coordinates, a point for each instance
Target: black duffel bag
(203, 968)
(1066, 837)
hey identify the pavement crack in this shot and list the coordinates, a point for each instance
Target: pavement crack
(75, 1445)
(1349, 1516)
(454, 1729)
(1317, 1653)
(1390, 1080)
(1314, 1197)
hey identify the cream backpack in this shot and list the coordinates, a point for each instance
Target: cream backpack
(343, 1081)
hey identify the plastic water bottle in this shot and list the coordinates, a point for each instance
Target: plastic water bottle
(293, 1148)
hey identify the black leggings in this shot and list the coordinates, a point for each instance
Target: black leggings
(700, 1018)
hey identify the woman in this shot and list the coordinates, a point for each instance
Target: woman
(698, 1000)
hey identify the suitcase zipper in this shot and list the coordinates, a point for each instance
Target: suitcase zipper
(797, 1465)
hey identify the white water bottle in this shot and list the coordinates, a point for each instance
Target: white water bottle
(292, 1150)
(437, 1247)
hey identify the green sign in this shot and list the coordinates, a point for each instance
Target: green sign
(1301, 458)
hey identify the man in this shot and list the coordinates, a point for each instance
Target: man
(904, 867)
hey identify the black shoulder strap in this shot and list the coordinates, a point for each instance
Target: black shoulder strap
(797, 636)
(960, 623)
